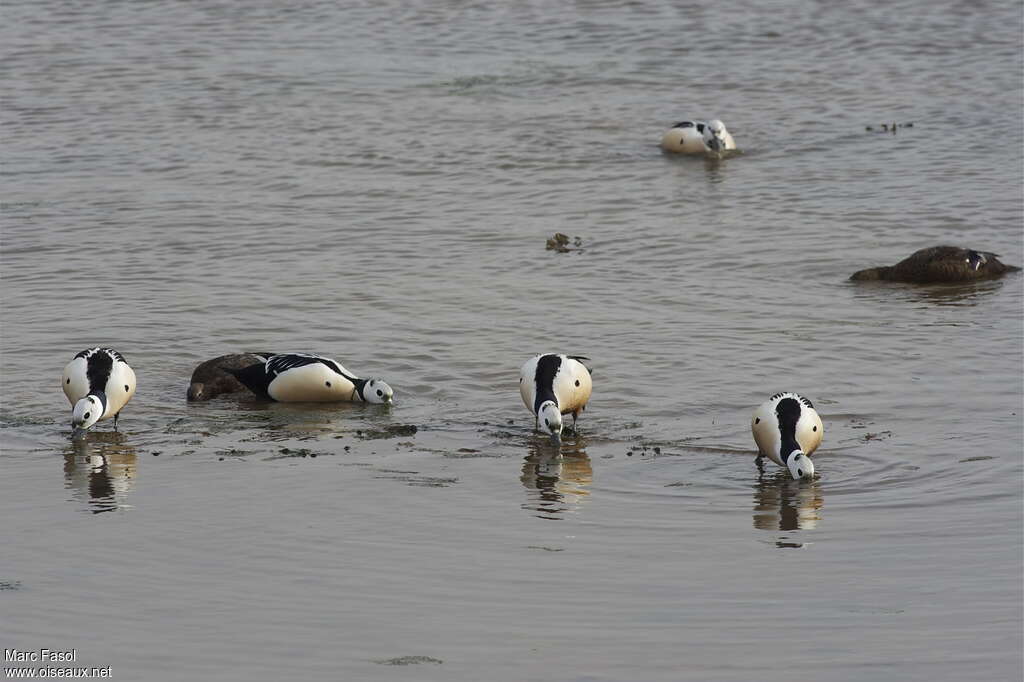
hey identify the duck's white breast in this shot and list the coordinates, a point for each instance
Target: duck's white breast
(809, 430)
(765, 427)
(683, 141)
(119, 389)
(75, 381)
(311, 383)
(572, 385)
(527, 376)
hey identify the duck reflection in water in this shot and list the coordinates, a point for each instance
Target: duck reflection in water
(784, 503)
(100, 470)
(558, 479)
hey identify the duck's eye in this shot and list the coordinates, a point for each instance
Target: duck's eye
(545, 421)
(126, 388)
(86, 416)
(577, 382)
(328, 384)
(380, 392)
(814, 428)
(69, 380)
(800, 472)
(757, 420)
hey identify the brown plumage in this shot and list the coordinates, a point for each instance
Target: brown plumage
(939, 264)
(210, 378)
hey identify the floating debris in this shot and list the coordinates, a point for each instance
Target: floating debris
(560, 243)
(409, 660)
(233, 452)
(889, 127)
(297, 452)
(390, 431)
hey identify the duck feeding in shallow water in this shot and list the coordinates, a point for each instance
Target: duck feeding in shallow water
(939, 264)
(787, 430)
(211, 378)
(698, 137)
(98, 383)
(304, 377)
(552, 385)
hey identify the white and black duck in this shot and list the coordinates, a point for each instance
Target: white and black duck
(553, 385)
(304, 377)
(98, 383)
(787, 429)
(698, 137)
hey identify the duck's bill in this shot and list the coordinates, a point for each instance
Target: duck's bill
(78, 433)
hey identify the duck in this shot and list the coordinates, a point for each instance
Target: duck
(787, 430)
(306, 377)
(211, 378)
(98, 382)
(698, 137)
(938, 264)
(552, 385)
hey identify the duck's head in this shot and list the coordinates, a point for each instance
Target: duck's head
(800, 465)
(196, 391)
(377, 391)
(87, 412)
(714, 135)
(975, 260)
(550, 417)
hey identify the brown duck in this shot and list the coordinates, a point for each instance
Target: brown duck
(211, 378)
(939, 264)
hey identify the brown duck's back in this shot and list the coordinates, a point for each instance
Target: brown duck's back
(210, 379)
(938, 264)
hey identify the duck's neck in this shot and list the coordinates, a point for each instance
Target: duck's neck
(881, 272)
(788, 450)
(101, 396)
(359, 384)
(788, 445)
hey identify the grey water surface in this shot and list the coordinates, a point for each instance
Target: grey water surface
(375, 182)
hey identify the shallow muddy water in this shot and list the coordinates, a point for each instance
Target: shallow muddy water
(376, 183)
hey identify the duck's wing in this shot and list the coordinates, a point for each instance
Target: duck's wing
(254, 377)
(276, 364)
(583, 360)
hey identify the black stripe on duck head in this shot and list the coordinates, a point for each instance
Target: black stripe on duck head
(788, 412)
